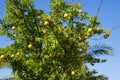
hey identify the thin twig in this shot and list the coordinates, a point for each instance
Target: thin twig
(98, 10)
(115, 27)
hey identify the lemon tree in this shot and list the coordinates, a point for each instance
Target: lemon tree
(51, 46)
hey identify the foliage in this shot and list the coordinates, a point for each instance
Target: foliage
(51, 46)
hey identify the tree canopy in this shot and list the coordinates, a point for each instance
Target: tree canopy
(54, 45)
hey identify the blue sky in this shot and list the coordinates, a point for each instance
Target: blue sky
(109, 18)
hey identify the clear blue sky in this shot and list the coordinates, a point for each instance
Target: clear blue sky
(109, 16)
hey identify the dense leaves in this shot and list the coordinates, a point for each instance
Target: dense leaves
(52, 46)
